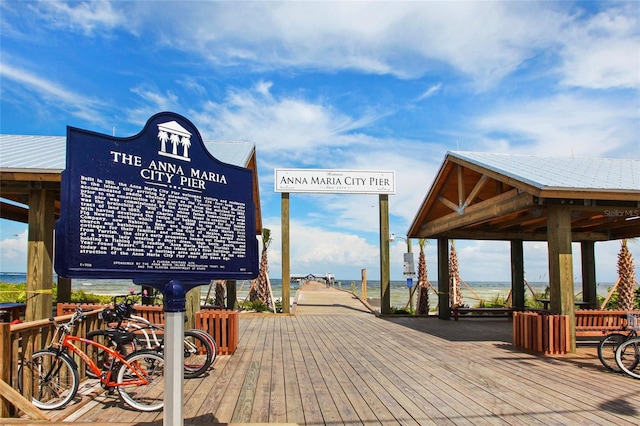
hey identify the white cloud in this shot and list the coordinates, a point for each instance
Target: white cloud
(565, 125)
(85, 17)
(603, 51)
(52, 94)
(13, 253)
(482, 40)
(431, 91)
(316, 250)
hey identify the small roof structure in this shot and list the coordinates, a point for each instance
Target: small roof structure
(36, 161)
(489, 196)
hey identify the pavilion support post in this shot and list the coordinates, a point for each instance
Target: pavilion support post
(561, 267)
(232, 294)
(192, 305)
(64, 290)
(40, 254)
(517, 274)
(589, 290)
(385, 268)
(286, 258)
(444, 312)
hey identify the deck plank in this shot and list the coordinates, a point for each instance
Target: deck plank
(335, 363)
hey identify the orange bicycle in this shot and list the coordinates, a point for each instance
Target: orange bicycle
(138, 377)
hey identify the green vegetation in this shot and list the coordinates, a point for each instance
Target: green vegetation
(399, 311)
(613, 302)
(18, 293)
(253, 305)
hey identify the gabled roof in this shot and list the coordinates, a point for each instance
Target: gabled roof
(588, 174)
(504, 196)
(38, 160)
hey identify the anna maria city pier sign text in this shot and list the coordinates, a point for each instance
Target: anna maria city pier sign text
(154, 206)
(335, 181)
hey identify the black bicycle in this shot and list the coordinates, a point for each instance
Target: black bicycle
(200, 349)
(610, 343)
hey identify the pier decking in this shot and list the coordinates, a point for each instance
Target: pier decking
(334, 363)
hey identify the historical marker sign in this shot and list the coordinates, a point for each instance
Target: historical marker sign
(154, 207)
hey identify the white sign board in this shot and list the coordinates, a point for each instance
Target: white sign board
(335, 181)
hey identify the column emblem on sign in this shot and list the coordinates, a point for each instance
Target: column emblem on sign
(173, 136)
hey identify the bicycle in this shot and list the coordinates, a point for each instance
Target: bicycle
(608, 346)
(628, 353)
(200, 350)
(139, 376)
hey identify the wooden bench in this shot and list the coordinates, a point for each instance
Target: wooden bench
(458, 311)
(597, 323)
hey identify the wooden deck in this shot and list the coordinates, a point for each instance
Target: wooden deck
(334, 363)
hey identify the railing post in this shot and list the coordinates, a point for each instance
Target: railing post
(5, 364)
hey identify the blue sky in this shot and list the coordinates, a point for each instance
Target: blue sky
(347, 85)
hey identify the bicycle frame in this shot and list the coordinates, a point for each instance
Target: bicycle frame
(106, 379)
(141, 325)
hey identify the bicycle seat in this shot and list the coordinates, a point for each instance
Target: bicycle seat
(121, 337)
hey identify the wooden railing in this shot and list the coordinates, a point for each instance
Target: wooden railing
(20, 341)
(597, 323)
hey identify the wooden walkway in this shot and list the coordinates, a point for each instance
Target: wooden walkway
(334, 363)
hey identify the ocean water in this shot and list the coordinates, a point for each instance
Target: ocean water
(472, 291)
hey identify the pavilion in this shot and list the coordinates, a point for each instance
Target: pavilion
(516, 198)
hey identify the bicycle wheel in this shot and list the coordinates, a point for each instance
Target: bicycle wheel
(150, 365)
(55, 379)
(198, 354)
(212, 342)
(628, 356)
(607, 350)
(101, 357)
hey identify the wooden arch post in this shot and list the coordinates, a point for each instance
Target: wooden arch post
(286, 257)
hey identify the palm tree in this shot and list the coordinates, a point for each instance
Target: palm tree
(627, 278)
(264, 285)
(454, 277)
(221, 286)
(422, 305)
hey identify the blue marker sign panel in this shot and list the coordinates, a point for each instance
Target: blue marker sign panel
(154, 207)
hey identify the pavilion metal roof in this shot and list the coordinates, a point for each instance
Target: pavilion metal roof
(561, 172)
(480, 195)
(48, 153)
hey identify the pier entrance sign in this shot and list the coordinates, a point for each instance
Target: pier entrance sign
(337, 181)
(154, 207)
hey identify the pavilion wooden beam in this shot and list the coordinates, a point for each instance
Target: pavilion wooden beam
(461, 194)
(474, 192)
(15, 213)
(510, 201)
(469, 234)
